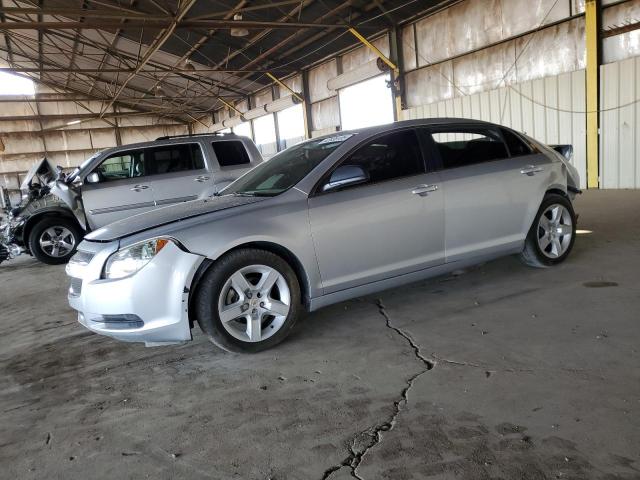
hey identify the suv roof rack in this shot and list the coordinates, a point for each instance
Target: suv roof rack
(167, 137)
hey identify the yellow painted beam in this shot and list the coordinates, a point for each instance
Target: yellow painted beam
(230, 106)
(374, 49)
(283, 85)
(593, 72)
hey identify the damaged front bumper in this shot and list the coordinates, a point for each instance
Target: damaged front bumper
(9, 248)
(150, 306)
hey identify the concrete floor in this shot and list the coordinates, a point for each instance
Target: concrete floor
(536, 375)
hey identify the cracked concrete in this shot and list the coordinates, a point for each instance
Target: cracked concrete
(537, 376)
(368, 439)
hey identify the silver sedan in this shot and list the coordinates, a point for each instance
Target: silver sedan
(326, 220)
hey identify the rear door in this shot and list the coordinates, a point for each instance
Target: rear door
(123, 190)
(178, 173)
(485, 199)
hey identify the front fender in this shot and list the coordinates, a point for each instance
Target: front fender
(71, 199)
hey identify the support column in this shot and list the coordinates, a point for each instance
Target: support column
(397, 76)
(592, 17)
(306, 105)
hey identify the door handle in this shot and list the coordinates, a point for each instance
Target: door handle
(423, 190)
(531, 170)
(139, 188)
(201, 178)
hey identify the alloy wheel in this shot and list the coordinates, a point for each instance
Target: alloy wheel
(555, 229)
(254, 303)
(57, 241)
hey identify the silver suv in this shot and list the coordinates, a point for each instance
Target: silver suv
(117, 183)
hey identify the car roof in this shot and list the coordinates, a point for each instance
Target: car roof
(177, 139)
(410, 123)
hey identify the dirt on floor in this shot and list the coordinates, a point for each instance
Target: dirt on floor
(497, 372)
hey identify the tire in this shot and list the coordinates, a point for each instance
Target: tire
(54, 240)
(257, 318)
(550, 239)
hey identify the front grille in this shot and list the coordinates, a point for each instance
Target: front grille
(82, 257)
(75, 289)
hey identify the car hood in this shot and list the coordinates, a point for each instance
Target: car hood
(43, 169)
(166, 215)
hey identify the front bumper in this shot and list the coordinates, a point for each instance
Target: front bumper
(150, 306)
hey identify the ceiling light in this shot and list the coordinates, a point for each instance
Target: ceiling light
(73, 122)
(159, 92)
(239, 32)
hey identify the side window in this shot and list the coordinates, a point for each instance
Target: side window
(174, 158)
(391, 156)
(461, 147)
(122, 166)
(230, 153)
(516, 146)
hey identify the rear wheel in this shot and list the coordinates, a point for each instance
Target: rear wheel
(53, 240)
(248, 301)
(552, 233)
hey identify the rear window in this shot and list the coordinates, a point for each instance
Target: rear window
(459, 147)
(173, 158)
(516, 146)
(230, 153)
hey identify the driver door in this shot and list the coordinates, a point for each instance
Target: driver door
(123, 189)
(390, 225)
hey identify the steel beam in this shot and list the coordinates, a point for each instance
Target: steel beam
(592, 14)
(109, 23)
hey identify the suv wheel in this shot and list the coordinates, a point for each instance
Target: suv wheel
(248, 301)
(53, 240)
(552, 234)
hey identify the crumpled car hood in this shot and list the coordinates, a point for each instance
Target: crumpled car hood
(166, 215)
(44, 169)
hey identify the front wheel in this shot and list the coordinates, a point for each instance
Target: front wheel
(552, 233)
(53, 240)
(248, 301)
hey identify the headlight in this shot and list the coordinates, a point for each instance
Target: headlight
(129, 260)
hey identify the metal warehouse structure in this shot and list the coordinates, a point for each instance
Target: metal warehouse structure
(110, 73)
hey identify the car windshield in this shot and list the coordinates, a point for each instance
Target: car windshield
(286, 169)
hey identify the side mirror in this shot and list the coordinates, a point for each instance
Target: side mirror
(93, 177)
(346, 175)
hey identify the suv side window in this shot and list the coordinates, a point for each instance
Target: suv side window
(174, 158)
(459, 147)
(230, 153)
(516, 146)
(121, 166)
(390, 156)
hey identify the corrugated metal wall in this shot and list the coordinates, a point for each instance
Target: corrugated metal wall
(619, 126)
(550, 109)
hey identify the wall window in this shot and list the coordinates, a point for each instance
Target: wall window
(244, 129)
(366, 104)
(15, 85)
(264, 129)
(291, 126)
